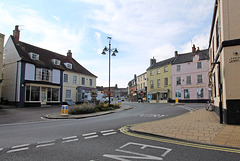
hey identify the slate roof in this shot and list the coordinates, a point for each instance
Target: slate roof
(161, 63)
(188, 57)
(45, 58)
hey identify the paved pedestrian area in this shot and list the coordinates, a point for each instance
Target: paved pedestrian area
(198, 126)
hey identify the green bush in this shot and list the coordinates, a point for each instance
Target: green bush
(85, 108)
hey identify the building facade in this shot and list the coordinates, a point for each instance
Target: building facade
(34, 76)
(1, 61)
(142, 86)
(224, 53)
(190, 77)
(159, 88)
(132, 90)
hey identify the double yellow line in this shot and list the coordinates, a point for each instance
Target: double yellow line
(195, 145)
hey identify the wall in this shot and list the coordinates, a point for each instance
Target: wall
(10, 72)
(1, 61)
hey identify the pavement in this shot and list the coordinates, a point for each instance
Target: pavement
(197, 126)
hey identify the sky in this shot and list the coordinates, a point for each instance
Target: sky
(140, 30)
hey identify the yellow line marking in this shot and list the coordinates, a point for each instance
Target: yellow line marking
(196, 145)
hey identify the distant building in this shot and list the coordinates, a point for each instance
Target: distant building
(132, 90)
(142, 86)
(224, 53)
(159, 87)
(34, 76)
(115, 92)
(190, 79)
(1, 61)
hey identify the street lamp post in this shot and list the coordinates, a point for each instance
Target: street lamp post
(114, 50)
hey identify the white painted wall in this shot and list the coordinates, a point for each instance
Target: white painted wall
(10, 72)
(29, 71)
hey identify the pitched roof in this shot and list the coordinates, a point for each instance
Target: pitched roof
(161, 63)
(45, 58)
(188, 57)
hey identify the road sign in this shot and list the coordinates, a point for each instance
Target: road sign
(64, 110)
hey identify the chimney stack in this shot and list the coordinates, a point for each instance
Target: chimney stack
(16, 34)
(69, 56)
(193, 48)
(152, 61)
(176, 53)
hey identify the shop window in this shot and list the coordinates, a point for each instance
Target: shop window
(178, 93)
(35, 93)
(186, 93)
(200, 93)
(27, 93)
(55, 94)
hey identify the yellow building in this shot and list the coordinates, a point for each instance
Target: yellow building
(1, 61)
(159, 87)
(224, 53)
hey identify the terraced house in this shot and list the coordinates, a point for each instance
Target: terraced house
(34, 76)
(190, 76)
(159, 88)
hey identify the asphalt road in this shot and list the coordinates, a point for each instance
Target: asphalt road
(100, 138)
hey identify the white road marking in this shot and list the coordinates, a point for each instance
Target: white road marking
(107, 131)
(1, 149)
(111, 133)
(43, 145)
(70, 137)
(45, 142)
(16, 150)
(90, 137)
(67, 141)
(93, 133)
(20, 146)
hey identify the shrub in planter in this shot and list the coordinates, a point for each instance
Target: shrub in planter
(82, 109)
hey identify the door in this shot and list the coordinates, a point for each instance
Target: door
(43, 96)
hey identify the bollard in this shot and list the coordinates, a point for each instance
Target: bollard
(64, 110)
(176, 100)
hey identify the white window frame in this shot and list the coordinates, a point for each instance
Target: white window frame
(165, 82)
(199, 80)
(34, 56)
(65, 74)
(151, 73)
(166, 69)
(178, 81)
(158, 71)
(199, 65)
(178, 68)
(189, 81)
(66, 94)
(74, 79)
(90, 82)
(151, 84)
(83, 82)
(158, 83)
(178, 93)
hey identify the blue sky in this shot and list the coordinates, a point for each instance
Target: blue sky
(140, 29)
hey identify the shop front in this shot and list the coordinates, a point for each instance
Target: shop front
(40, 95)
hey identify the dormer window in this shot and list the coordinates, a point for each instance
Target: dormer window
(56, 62)
(68, 65)
(33, 56)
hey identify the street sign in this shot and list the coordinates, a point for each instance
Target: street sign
(64, 110)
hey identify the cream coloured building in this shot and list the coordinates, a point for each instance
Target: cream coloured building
(224, 53)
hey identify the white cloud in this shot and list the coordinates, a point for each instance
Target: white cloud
(55, 17)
